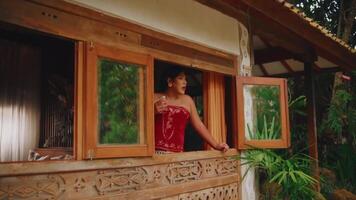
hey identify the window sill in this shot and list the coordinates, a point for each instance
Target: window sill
(45, 167)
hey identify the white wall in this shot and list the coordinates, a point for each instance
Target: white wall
(186, 19)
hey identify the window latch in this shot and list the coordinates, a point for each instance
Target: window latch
(91, 154)
(91, 45)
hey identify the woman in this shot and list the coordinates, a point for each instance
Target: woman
(173, 109)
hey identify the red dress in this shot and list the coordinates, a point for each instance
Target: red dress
(170, 127)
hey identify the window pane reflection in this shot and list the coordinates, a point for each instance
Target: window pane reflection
(262, 112)
(119, 94)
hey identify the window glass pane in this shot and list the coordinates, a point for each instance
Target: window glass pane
(262, 112)
(120, 86)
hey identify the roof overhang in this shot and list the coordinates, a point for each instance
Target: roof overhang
(286, 28)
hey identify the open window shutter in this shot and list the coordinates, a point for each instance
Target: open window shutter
(262, 106)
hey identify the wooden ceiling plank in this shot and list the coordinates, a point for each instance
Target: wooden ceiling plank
(271, 54)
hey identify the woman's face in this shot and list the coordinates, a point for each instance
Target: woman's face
(179, 84)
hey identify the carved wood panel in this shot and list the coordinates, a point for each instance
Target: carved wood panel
(227, 192)
(121, 181)
(183, 172)
(33, 187)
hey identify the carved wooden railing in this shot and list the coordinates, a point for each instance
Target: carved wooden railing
(194, 175)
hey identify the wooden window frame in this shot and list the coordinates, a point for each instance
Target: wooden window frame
(91, 147)
(243, 143)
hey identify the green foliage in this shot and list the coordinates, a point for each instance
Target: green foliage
(298, 129)
(342, 160)
(327, 186)
(119, 95)
(297, 115)
(265, 133)
(298, 106)
(266, 99)
(291, 173)
(336, 132)
(341, 115)
(337, 111)
(351, 128)
(267, 108)
(326, 13)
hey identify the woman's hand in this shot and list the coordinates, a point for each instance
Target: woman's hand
(161, 105)
(222, 147)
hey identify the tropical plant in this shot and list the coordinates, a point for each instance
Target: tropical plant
(266, 105)
(298, 105)
(298, 128)
(290, 174)
(337, 112)
(342, 160)
(265, 133)
(338, 133)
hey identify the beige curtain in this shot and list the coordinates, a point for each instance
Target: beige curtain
(19, 100)
(214, 101)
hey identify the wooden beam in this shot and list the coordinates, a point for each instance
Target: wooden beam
(182, 50)
(311, 56)
(271, 54)
(316, 67)
(312, 130)
(329, 70)
(263, 69)
(284, 63)
(301, 73)
(287, 66)
(281, 38)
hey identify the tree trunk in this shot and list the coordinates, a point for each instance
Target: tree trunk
(340, 20)
(350, 14)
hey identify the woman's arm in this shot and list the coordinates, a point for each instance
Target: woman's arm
(201, 129)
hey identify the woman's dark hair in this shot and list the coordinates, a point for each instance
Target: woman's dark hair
(170, 73)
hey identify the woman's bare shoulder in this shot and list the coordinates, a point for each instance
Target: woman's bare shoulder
(158, 95)
(187, 99)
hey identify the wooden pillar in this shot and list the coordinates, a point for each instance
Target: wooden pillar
(311, 114)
